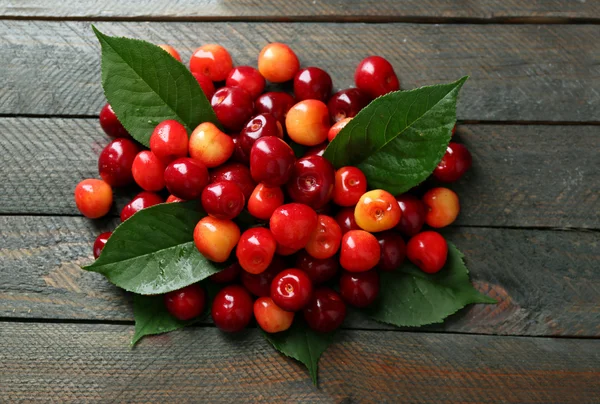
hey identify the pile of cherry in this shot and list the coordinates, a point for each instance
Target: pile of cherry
(315, 219)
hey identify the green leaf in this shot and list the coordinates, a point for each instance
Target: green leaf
(153, 251)
(303, 344)
(410, 297)
(152, 317)
(399, 138)
(145, 86)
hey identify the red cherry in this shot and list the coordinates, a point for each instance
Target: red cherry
(169, 141)
(393, 250)
(141, 201)
(233, 107)
(186, 303)
(115, 162)
(171, 51)
(312, 181)
(186, 178)
(326, 311)
(350, 185)
(264, 200)
(100, 243)
(318, 150)
(359, 289)
(223, 200)
(293, 224)
(428, 250)
(275, 103)
(232, 308)
(235, 172)
(375, 76)
(413, 214)
(213, 61)
(206, 84)
(318, 270)
(148, 171)
(312, 83)
(111, 124)
(173, 198)
(227, 275)
(239, 155)
(337, 128)
(345, 218)
(259, 126)
(256, 249)
(93, 198)
(260, 284)
(271, 161)
(346, 104)
(455, 163)
(270, 317)
(360, 251)
(325, 240)
(291, 289)
(248, 78)
(278, 63)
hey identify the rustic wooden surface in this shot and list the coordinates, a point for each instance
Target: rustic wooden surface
(530, 225)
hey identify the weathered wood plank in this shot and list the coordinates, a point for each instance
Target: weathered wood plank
(508, 185)
(79, 362)
(348, 10)
(518, 72)
(547, 282)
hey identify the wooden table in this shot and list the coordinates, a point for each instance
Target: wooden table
(530, 225)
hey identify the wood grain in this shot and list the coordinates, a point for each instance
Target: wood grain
(337, 10)
(518, 72)
(79, 362)
(508, 185)
(546, 282)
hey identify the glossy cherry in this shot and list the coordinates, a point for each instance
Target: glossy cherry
(223, 199)
(264, 200)
(275, 103)
(93, 198)
(428, 250)
(312, 181)
(260, 284)
(455, 163)
(233, 107)
(206, 84)
(227, 275)
(256, 249)
(345, 218)
(291, 289)
(169, 141)
(235, 172)
(186, 178)
(359, 251)
(210, 146)
(393, 250)
(377, 210)
(259, 126)
(375, 76)
(271, 161)
(325, 240)
(173, 198)
(141, 201)
(318, 270)
(100, 242)
(248, 78)
(278, 63)
(293, 224)
(171, 51)
(216, 238)
(443, 207)
(336, 128)
(186, 303)
(350, 185)
(270, 317)
(312, 83)
(232, 308)
(148, 171)
(359, 289)
(326, 311)
(347, 103)
(213, 61)
(111, 124)
(239, 155)
(413, 214)
(318, 150)
(307, 122)
(116, 160)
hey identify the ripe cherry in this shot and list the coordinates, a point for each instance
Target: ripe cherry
(169, 141)
(359, 289)
(336, 128)
(148, 171)
(312, 181)
(264, 200)
(318, 150)
(307, 122)
(318, 270)
(260, 284)
(345, 218)
(413, 214)
(428, 250)
(346, 104)
(442, 207)
(326, 311)
(359, 251)
(227, 275)
(325, 240)
(186, 178)
(93, 198)
(100, 243)
(232, 308)
(116, 160)
(248, 78)
(455, 163)
(291, 289)
(186, 303)
(259, 126)
(393, 250)
(239, 155)
(271, 161)
(275, 103)
(216, 238)
(171, 51)
(233, 107)
(210, 146)
(213, 61)
(141, 201)
(270, 317)
(375, 76)
(173, 198)
(235, 172)
(277, 62)
(350, 185)
(206, 84)
(312, 83)
(377, 210)
(293, 224)
(223, 200)
(256, 249)
(111, 124)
